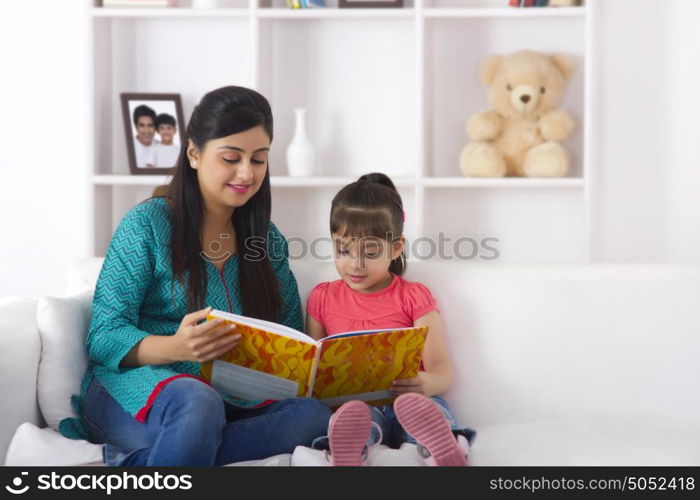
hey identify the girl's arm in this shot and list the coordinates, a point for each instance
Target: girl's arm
(437, 377)
(314, 328)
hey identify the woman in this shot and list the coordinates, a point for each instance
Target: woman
(172, 255)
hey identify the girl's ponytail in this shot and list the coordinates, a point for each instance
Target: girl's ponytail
(379, 178)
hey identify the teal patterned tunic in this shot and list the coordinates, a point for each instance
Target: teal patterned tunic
(136, 295)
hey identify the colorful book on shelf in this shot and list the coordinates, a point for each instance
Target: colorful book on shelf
(528, 3)
(273, 361)
(306, 4)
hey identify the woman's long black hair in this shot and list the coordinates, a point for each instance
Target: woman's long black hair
(220, 113)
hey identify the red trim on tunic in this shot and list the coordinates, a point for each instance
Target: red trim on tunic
(265, 403)
(223, 281)
(143, 412)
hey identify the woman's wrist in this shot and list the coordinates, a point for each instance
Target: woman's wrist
(153, 350)
(169, 349)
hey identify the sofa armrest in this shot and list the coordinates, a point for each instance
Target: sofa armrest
(20, 349)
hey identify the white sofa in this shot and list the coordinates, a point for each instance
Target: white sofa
(555, 364)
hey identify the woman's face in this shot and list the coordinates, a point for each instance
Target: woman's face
(231, 169)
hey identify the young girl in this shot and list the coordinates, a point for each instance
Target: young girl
(366, 223)
(170, 257)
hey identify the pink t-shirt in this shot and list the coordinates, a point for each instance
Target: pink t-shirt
(340, 309)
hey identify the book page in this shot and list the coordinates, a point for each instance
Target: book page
(354, 333)
(276, 354)
(268, 326)
(244, 383)
(368, 362)
(374, 398)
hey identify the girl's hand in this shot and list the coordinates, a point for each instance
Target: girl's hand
(409, 385)
(202, 342)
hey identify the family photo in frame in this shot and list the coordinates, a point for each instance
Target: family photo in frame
(153, 128)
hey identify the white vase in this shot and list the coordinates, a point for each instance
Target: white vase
(300, 152)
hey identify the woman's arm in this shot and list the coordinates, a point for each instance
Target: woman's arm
(152, 350)
(437, 377)
(193, 341)
(120, 290)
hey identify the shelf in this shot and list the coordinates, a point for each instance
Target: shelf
(496, 12)
(282, 181)
(168, 12)
(331, 13)
(276, 181)
(508, 182)
(385, 90)
(130, 180)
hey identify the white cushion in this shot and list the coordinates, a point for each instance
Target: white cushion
(20, 348)
(589, 442)
(378, 456)
(32, 446)
(63, 325)
(273, 461)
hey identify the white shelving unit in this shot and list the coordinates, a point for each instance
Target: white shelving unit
(385, 90)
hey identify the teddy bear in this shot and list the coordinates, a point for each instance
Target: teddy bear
(521, 135)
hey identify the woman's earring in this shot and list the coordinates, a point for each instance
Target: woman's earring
(194, 163)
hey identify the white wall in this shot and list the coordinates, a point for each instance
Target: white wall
(649, 167)
(633, 190)
(42, 105)
(649, 207)
(683, 125)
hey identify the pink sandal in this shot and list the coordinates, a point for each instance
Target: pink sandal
(423, 420)
(348, 431)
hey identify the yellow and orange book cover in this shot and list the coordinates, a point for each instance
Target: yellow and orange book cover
(273, 361)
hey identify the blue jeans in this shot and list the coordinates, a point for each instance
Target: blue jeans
(190, 424)
(393, 434)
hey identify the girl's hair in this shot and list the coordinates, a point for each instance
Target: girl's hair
(370, 207)
(220, 113)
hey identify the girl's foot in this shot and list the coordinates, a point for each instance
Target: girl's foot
(423, 420)
(348, 432)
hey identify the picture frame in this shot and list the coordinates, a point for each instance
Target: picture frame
(370, 4)
(153, 127)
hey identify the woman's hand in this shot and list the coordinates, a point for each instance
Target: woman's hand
(202, 342)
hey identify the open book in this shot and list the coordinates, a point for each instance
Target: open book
(273, 361)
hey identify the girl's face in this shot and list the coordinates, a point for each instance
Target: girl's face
(231, 169)
(363, 263)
